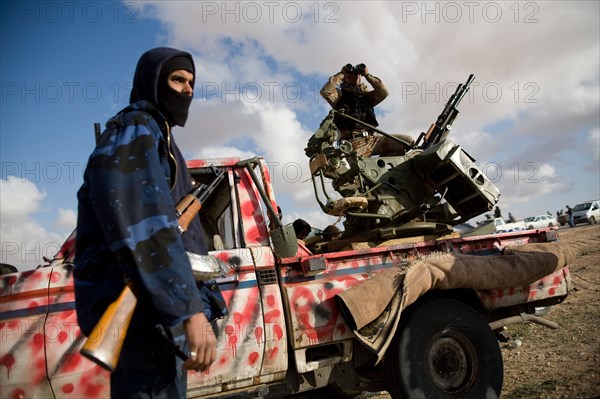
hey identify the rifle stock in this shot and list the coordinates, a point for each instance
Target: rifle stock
(105, 349)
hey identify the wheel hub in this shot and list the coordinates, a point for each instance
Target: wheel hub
(451, 362)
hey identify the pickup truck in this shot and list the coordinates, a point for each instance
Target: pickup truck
(286, 332)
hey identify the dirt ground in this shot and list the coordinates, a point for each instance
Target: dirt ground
(563, 363)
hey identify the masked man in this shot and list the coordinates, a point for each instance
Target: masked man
(127, 230)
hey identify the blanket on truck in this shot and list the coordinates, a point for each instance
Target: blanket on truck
(375, 321)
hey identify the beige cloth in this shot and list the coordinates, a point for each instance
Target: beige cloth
(374, 322)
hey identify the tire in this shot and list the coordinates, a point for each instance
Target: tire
(550, 224)
(530, 228)
(444, 349)
(592, 220)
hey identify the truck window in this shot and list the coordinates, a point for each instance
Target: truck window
(218, 213)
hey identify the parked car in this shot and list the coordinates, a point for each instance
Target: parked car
(537, 222)
(587, 212)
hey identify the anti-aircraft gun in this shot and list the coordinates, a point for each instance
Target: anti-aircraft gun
(432, 187)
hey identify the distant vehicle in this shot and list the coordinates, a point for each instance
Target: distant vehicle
(587, 212)
(494, 226)
(537, 222)
(562, 219)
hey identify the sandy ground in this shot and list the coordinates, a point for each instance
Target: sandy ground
(557, 364)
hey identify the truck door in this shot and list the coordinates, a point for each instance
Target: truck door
(251, 339)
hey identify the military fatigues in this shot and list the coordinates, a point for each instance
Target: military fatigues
(359, 102)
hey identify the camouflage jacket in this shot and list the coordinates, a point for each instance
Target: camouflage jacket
(127, 228)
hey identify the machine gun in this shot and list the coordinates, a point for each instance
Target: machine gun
(439, 130)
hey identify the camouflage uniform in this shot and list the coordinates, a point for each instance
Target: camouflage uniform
(359, 102)
(127, 229)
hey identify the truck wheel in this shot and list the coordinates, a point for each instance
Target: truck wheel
(444, 349)
(592, 220)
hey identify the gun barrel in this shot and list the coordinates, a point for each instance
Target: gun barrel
(439, 130)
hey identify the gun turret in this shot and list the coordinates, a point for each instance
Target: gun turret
(425, 191)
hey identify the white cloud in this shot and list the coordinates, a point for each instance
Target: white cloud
(593, 146)
(535, 95)
(67, 219)
(18, 199)
(24, 241)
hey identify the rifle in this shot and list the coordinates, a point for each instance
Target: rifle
(439, 130)
(104, 349)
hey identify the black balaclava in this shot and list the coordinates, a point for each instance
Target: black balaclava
(150, 82)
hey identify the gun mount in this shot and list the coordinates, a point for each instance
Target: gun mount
(430, 188)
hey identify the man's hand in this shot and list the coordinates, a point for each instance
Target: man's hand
(202, 342)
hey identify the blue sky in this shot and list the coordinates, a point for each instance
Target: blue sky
(531, 118)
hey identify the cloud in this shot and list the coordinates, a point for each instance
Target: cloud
(24, 241)
(18, 199)
(534, 99)
(593, 147)
(67, 219)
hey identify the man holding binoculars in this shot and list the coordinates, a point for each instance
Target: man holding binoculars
(345, 91)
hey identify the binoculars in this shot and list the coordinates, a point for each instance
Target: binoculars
(357, 69)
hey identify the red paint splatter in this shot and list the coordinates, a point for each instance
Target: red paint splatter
(7, 361)
(67, 388)
(273, 353)
(551, 291)
(55, 277)
(229, 329)
(232, 341)
(94, 390)
(18, 394)
(272, 316)
(38, 341)
(258, 333)
(10, 280)
(222, 360)
(62, 336)
(278, 331)
(40, 370)
(252, 358)
(271, 300)
(70, 361)
(557, 280)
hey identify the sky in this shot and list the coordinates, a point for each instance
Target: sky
(531, 118)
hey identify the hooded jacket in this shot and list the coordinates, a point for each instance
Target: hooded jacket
(127, 228)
